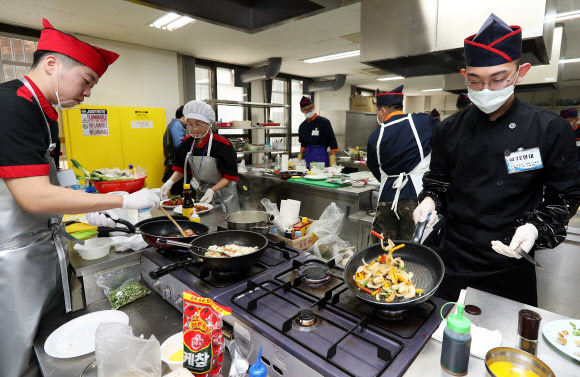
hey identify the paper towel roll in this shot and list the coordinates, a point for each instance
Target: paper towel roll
(289, 212)
(285, 159)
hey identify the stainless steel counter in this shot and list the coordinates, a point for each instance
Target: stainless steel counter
(150, 315)
(314, 199)
(87, 270)
(502, 314)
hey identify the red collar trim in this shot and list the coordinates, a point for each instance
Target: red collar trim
(311, 119)
(46, 106)
(203, 142)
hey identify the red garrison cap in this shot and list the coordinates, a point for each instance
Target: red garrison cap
(96, 58)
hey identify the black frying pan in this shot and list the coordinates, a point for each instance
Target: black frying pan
(426, 265)
(217, 264)
(162, 228)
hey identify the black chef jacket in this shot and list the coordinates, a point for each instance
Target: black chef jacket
(221, 149)
(324, 136)
(24, 131)
(481, 202)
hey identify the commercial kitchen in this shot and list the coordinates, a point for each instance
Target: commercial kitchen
(222, 205)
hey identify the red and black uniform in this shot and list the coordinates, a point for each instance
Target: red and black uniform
(222, 150)
(24, 131)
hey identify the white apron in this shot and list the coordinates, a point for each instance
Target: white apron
(206, 174)
(416, 174)
(33, 266)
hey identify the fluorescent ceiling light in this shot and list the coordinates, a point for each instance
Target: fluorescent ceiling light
(564, 61)
(325, 58)
(566, 16)
(391, 78)
(431, 90)
(171, 21)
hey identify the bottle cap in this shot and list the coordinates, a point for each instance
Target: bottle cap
(459, 323)
(304, 220)
(187, 186)
(258, 369)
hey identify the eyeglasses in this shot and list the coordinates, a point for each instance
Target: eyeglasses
(307, 109)
(495, 84)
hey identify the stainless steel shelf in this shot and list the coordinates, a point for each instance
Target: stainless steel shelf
(253, 128)
(242, 103)
(250, 152)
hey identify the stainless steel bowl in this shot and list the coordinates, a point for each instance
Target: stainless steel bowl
(253, 221)
(239, 144)
(518, 358)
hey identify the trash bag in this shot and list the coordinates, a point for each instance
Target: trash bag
(272, 209)
(119, 353)
(121, 285)
(327, 229)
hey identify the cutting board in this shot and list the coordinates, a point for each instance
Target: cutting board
(318, 183)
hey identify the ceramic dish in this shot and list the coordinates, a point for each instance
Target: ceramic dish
(551, 330)
(179, 209)
(316, 177)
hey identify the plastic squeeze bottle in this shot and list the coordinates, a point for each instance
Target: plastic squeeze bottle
(259, 369)
(456, 343)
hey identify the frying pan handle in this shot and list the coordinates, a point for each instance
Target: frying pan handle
(174, 243)
(419, 230)
(156, 274)
(267, 227)
(129, 226)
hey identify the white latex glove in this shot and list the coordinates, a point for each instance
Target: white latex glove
(165, 189)
(100, 219)
(207, 197)
(424, 209)
(124, 243)
(141, 199)
(524, 238)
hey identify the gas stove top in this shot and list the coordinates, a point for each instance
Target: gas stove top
(300, 311)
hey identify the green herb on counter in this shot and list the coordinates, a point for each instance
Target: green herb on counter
(127, 293)
(576, 331)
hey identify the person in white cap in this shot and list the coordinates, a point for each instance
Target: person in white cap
(209, 159)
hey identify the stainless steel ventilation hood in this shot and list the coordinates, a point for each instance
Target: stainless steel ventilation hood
(425, 37)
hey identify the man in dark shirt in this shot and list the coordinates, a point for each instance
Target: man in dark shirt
(172, 138)
(316, 136)
(571, 115)
(503, 174)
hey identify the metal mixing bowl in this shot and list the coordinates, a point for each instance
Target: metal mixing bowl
(518, 358)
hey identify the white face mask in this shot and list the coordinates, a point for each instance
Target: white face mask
(66, 104)
(489, 101)
(309, 115)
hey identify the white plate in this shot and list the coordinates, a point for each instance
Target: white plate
(179, 209)
(316, 177)
(551, 330)
(77, 337)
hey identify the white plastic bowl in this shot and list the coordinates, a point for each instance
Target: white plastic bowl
(173, 344)
(94, 248)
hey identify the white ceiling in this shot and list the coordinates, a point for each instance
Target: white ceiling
(305, 38)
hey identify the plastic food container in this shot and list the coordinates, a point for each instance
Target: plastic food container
(224, 124)
(130, 186)
(94, 248)
(241, 123)
(173, 344)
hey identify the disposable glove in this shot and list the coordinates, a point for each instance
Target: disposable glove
(524, 238)
(207, 197)
(424, 209)
(165, 189)
(101, 219)
(141, 199)
(332, 160)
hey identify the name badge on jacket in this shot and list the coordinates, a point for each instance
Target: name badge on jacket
(315, 133)
(524, 160)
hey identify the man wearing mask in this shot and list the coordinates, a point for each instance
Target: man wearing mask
(398, 156)
(502, 173)
(316, 136)
(462, 101)
(571, 115)
(174, 135)
(33, 263)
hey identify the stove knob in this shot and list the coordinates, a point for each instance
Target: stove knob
(157, 285)
(179, 301)
(166, 293)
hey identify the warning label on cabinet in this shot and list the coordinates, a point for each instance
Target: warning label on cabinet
(95, 122)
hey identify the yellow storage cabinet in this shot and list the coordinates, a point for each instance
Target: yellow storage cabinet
(115, 136)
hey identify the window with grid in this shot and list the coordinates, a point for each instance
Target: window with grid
(202, 83)
(227, 91)
(296, 117)
(16, 56)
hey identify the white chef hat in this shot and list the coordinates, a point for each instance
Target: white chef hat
(199, 110)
